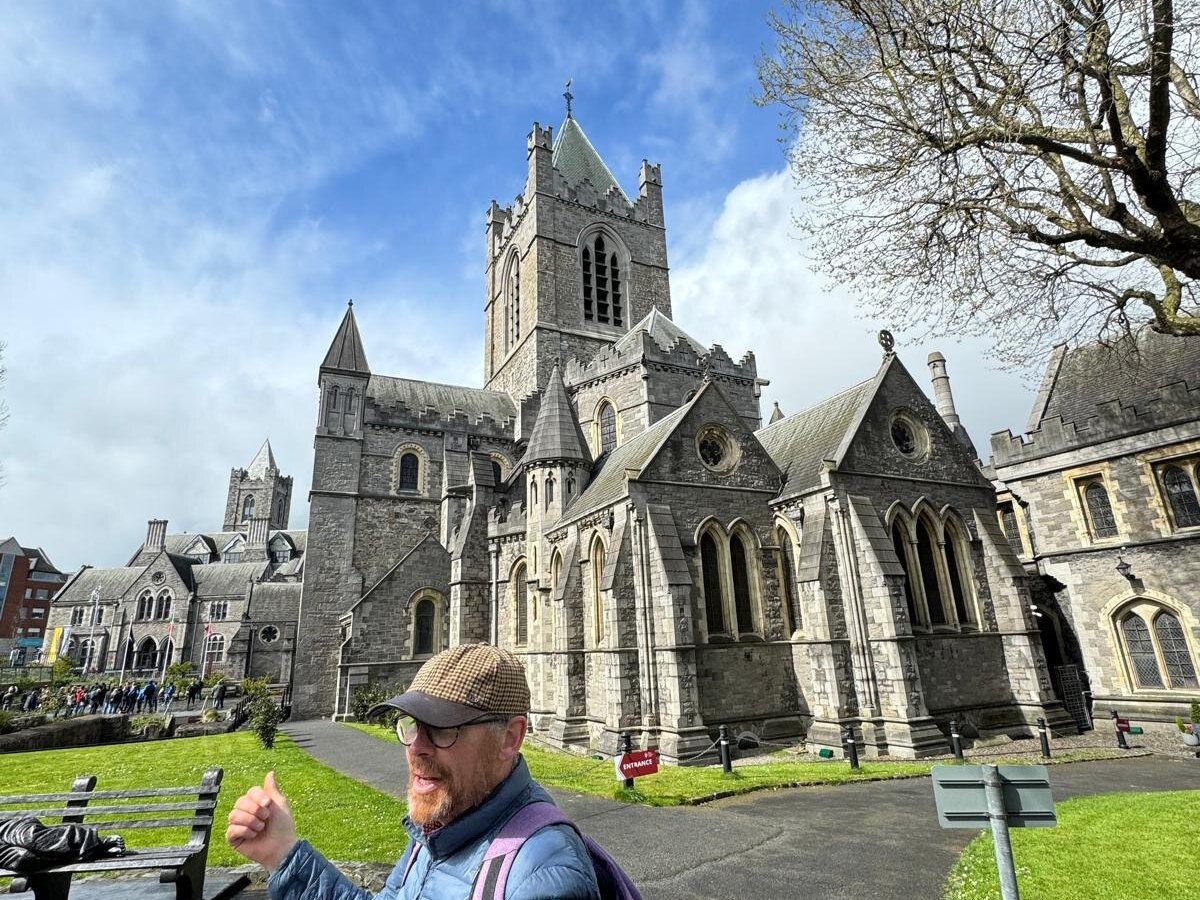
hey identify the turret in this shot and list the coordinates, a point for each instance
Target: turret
(343, 381)
(943, 399)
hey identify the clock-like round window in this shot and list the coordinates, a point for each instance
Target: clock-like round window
(909, 436)
(158, 577)
(268, 634)
(716, 448)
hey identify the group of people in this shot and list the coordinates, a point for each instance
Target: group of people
(112, 699)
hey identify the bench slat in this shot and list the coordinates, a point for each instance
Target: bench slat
(153, 858)
(118, 824)
(5, 799)
(90, 811)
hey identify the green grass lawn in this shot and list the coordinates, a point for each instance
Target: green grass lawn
(347, 820)
(679, 785)
(1108, 847)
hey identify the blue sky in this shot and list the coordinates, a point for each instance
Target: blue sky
(191, 191)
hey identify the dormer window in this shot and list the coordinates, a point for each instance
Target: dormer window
(603, 297)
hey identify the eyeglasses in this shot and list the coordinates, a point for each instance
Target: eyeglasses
(442, 738)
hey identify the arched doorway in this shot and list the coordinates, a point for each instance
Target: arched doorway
(146, 658)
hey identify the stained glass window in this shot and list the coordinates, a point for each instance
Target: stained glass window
(1100, 511)
(1182, 495)
(1141, 652)
(1181, 672)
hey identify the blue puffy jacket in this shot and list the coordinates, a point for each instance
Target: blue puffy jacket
(552, 865)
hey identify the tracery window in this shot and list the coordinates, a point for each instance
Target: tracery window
(607, 419)
(162, 606)
(1099, 510)
(926, 559)
(741, 585)
(900, 545)
(958, 576)
(145, 606)
(247, 508)
(714, 600)
(1181, 493)
(1159, 656)
(602, 288)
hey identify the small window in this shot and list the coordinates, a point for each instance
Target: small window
(497, 473)
(423, 628)
(1100, 512)
(1008, 522)
(280, 554)
(597, 593)
(1182, 496)
(608, 428)
(77, 615)
(603, 290)
(521, 592)
(268, 634)
(549, 492)
(409, 467)
(247, 508)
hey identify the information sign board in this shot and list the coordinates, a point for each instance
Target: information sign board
(636, 763)
(961, 797)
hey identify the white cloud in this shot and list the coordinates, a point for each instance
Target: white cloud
(750, 288)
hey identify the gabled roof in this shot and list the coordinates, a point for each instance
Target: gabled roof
(226, 579)
(1133, 370)
(346, 353)
(112, 583)
(661, 330)
(799, 443)
(577, 160)
(556, 434)
(263, 462)
(417, 396)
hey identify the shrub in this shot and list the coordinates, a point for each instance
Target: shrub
(367, 696)
(1195, 716)
(1179, 723)
(6, 722)
(60, 672)
(255, 688)
(142, 724)
(265, 717)
(211, 715)
(212, 679)
(25, 683)
(178, 674)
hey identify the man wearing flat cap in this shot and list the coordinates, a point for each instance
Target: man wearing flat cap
(462, 720)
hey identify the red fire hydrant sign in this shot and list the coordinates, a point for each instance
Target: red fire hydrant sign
(636, 763)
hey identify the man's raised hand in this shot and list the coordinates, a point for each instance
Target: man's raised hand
(261, 827)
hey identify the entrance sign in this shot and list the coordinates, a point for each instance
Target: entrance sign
(1122, 724)
(999, 797)
(635, 763)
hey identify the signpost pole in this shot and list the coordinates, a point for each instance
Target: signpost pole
(627, 747)
(1120, 734)
(1044, 737)
(956, 740)
(1087, 709)
(994, 790)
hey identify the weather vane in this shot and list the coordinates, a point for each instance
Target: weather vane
(567, 93)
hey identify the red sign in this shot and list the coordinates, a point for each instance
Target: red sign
(1122, 724)
(635, 763)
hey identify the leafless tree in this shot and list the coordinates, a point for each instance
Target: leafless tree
(1019, 167)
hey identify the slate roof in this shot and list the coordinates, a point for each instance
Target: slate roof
(346, 352)
(1133, 370)
(226, 579)
(445, 398)
(556, 434)
(800, 442)
(662, 330)
(577, 160)
(113, 583)
(608, 486)
(264, 461)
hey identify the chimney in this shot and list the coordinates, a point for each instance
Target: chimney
(156, 535)
(942, 398)
(256, 538)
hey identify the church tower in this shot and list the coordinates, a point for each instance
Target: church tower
(571, 264)
(258, 491)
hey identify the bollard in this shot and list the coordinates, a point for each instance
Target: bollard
(956, 740)
(1044, 737)
(1087, 710)
(726, 759)
(850, 747)
(627, 747)
(1120, 734)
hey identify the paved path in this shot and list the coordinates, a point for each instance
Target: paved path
(879, 840)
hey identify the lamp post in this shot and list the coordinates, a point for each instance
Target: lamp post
(91, 654)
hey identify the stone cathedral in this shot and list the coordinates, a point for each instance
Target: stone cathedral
(610, 506)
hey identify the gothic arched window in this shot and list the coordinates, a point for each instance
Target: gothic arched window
(900, 545)
(162, 606)
(602, 288)
(1173, 645)
(597, 595)
(521, 592)
(145, 606)
(742, 604)
(787, 581)
(549, 492)
(1182, 495)
(927, 560)
(497, 472)
(532, 494)
(1100, 512)
(514, 298)
(409, 468)
(1141, 652)
(958, 576)
(423, 627)
(714, 601)
(247, 508)
(147, 654)
(333, 411)
(77, 615)
(607, 426)
(349, 408)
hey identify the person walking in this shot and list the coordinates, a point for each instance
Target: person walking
(218, 696)
(462, 721)
(9, 697)
(168, 695)
(193, 691)
(150, 696)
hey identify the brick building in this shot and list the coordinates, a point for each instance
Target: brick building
(27, 582)
(610, 507)
(1099, 498)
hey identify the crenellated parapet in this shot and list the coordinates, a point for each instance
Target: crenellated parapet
(1174, 404)
(397, 414)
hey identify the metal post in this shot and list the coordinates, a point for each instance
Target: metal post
(956, 740)
(994, 790)
(1087, 709)
(723, 747)
(627, 747)
(1120, 734)
(850, 747)
(1044, 737)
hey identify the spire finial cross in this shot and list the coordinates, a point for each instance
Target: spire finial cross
(569, 97)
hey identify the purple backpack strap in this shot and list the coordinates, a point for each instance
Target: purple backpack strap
(413, 849)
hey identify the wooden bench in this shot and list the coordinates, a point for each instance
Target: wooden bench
(183, 865)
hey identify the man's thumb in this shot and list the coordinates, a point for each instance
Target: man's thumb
(273, 791)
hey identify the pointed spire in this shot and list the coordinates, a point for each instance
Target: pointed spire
(569, 97)
(556, 433)
(776, 413)
(263, 462)
(346, 353)
(578, 161)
